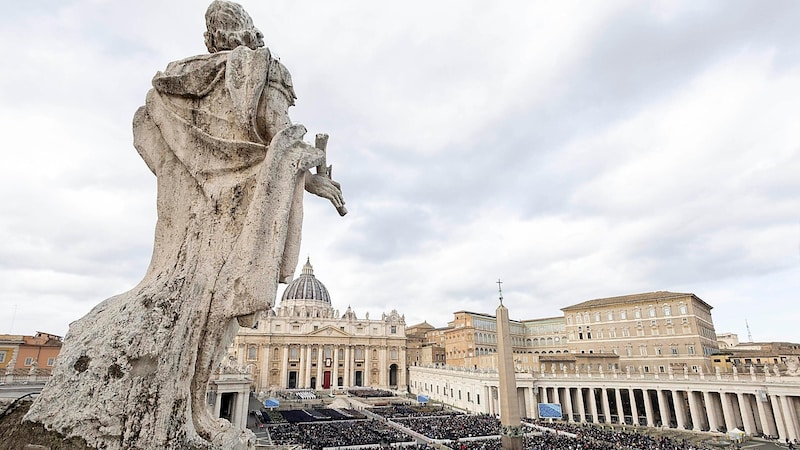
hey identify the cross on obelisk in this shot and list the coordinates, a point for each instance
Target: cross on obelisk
(510, 425)
(500, 289)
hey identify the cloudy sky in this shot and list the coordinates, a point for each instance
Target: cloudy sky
(576, 150)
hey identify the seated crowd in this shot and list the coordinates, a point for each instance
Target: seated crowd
(369, 392)
(336, 434)
(396, 411)
(454, 426)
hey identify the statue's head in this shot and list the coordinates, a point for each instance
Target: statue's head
(229, 26)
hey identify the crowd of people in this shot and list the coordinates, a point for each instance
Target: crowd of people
(397, 411)
(453, 426)
(318, 435)
(369, 392)
(343, 428)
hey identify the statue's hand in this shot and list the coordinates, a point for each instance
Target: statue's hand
(325, 188)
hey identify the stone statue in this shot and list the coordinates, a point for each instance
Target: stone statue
(793, 366)
(231, 169)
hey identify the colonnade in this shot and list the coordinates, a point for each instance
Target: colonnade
(754, 411)
(757, 405)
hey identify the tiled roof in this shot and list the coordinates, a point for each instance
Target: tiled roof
(633, 298)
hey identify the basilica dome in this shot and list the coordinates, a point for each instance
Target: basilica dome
(306, 287)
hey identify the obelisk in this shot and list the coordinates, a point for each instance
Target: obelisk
(510, 425)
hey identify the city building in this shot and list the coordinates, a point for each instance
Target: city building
(304, 343)
(651, 332)
(22, 355)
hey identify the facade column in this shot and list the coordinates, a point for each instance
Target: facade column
(634, 408)
(788, 417)
(264, 381)
(301, 371)
(593, 405)
(568, 404)
(711, 411)
(307, 363)
(727, 411)
(382, 369)
(320, 353)
(581, 405)
(367, 365)
(695, 411)
(648, 407)
(620, 408)
(606, 405)
(285, 367)
(746, 410)
(335, 371)
(663, 408)
(402, 381)
(680, 411)
(347, 366)
(556, 396)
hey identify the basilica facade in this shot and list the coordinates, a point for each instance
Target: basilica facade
(304, 343)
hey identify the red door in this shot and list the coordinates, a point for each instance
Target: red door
(326, 382)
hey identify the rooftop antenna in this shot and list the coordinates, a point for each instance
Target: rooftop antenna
(749, 335)
(500, 290)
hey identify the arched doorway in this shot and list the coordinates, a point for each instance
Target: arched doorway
(393, 375)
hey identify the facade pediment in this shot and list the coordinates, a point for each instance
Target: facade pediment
(329, 331)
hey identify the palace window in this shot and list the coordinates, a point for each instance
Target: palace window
(2, 356)
(597, 317)
(623, 314)
(393, 329)
(651, 312)
(51, 361)
(251, 352)
(28, 361)
(667, 310)
(637, 313)
(610, 315)
(683, 309)
(674, 351)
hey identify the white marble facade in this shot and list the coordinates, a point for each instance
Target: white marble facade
(304, 343)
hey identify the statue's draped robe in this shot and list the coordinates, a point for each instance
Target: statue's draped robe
(133, 372)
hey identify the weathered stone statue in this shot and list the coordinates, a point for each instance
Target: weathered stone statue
(231, 169)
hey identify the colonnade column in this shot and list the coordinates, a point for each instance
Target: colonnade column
(727, 411)
(593, 405)
(401, 368)
(663, 408)
(765, 416)
(695, 411)
(606, 406)
(711, 411)
(634, 409)
(746, 410)
(648, 407)
(568, 403)
(778, 414)
(534, 414)
(680, 411)
(620, 408)
(788, 417)
(581, 405)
